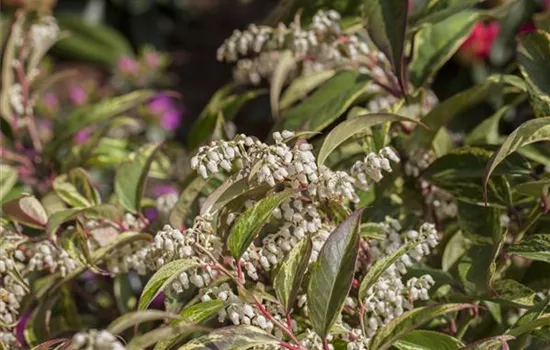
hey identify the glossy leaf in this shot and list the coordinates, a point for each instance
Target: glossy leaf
(226, 192)
(487, 131)
(534, 62)
(474, 268)
(345, 130)
(534, 247)
(150, 338)
(479, 224)
(513, 292)
(302, 86)
(488, 343)
(439, 10)
(75, 189)
(284, 67)
(326, 104)
(27, 210)
(331, 275)
(8, 178)
(161, 279)
(387, 26)
(532, 131)
(427, 340)
(534, 188)
(381, 266)
(135, 318)
(288, 279)
(435, 44)
(247, 225)
(410, 320)
(191, 190)
(130, 178)
(232, 338)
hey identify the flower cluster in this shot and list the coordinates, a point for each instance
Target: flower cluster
(48, 257)
(373, 164)
(322, 45)
(97, 340)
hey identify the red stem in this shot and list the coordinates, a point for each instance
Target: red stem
(325, 344)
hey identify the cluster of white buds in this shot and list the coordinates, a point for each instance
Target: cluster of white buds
(128, 257)
(11, 295)
(236, 310)
(15, 94)
(355, 339)
(323, 42)
(419, 161)
(311, 340)
(48, 257)
(199, 277)
(373, 164)
(443, 204)
(8, 339)
(95, 340)
(165, 204)
(7, 262)
(44, 34)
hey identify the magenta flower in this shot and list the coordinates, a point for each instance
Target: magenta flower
(152, 59)
(50, 101)
(164, 108)
(78, 95)
(527, 28)
(128, 65)
(20, 328)
(479, 43)
(82, 136)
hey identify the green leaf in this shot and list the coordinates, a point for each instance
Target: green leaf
(435, 44)
(454, 249)
(514, 293)
(232, 338)
(148, 339)
(302, 86)
(474, 268)
(93, 114)
(75, 189)
(135, 318)
(532, 131)
(387, 27)
(529, 326)
(534, 188)
(534, 62)
(427, 340)
(326, 104)
(534, 247)
(8, 179)
(402, 325)
(284, 67)
(381, 266)
(130, 178)
(487, 131)
(345, 130)
(488, 343)
(162, 278)
(332, 274)
(27, 210)
(289, 278)
(247, 225)
(478, 223)
(104, 211)
(91, 42)
(438, 10)
(193, 187)
(531, 315)
(194, 314)
(444, 112)
(225, 193)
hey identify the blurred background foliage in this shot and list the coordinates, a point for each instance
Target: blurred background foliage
(190, 31)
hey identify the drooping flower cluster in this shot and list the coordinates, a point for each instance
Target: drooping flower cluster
(96, 340)
(373, 164)
(322, 45)
(389, 297)
(48, 257)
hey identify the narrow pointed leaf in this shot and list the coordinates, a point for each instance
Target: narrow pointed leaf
(232, 338)
(534, 62)
(289, 278)
(332, 274)
(532, 131)
(161, 279)
(354, 126)
(192, 188)
(285, 65)
(534, 247)
(248, 225)
(302, 86)
(131, 319)
(427, 340)
(130, 178)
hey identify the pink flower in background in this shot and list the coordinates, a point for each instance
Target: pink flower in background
(78, 95)
(152, 59)
(166, 110)
(82, 136)
(128, 65)
(50, 101)
(479, 43)
(20, 328)
(163, 189)
(527, 28)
